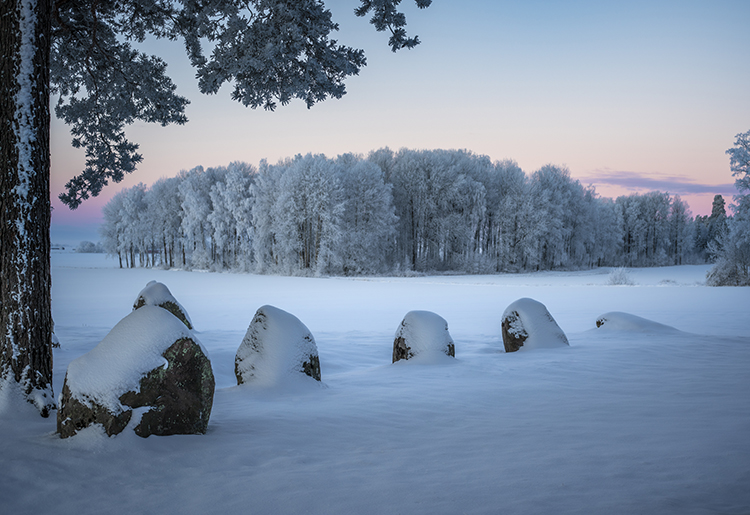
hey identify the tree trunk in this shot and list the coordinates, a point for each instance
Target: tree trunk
(25, 313)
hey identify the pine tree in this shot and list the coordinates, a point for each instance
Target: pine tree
(270, 51)
(25, 316)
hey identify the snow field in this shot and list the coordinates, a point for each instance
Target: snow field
(621, 421)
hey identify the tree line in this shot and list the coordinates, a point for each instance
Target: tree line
(397, 212)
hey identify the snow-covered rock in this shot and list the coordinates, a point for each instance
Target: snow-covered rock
(422, 333)
(157, 294)
(527, 323)
(277, 345)
(149, 360)
(619, 321)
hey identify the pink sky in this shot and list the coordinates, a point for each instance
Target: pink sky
(630, 97)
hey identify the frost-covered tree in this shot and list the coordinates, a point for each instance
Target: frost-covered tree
(439, 206)
(112, 230)
(368, 220)
(165, 220)
(566, 209)
(270, 51)
(264, 192)
(645, 221)
(710, 229)
(732, 249)
(680, 232)
(308, 214)
(506, 194)
(195, 196)
(607, 234)
(231, 217)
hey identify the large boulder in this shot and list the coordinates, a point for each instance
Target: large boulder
(149, 363)
(422, 333)
(157, 294)
(527, 323)
(277, 345)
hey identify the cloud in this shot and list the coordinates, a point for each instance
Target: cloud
(635, 181)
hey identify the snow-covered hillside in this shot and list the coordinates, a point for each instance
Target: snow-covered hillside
(631, 418)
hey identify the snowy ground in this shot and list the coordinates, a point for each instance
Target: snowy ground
(620, 422)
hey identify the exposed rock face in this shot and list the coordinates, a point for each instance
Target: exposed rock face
(277, 344)
(422, 332)
(136, 366)
(527, 323)
(157, 294)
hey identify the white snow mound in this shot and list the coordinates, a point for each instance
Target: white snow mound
(425, 332)
(157, 294)
(276, 346)
(133, 348)
(619, 321)
(536, 321)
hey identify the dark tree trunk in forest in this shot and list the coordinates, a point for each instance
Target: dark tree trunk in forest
(25, 314)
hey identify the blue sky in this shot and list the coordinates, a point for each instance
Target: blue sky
(630, 96)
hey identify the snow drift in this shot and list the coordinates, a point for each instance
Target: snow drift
(276, 346)
(527, 324)
(619, 321)
(422, 333)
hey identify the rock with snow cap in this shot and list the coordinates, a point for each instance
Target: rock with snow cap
(157, 294)
(527, 323)
(277, 345)
(150, 372)
(422, 333)
(625, 322)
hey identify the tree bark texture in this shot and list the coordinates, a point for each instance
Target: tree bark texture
(25, 312)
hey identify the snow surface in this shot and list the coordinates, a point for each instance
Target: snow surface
(618, 423)
(426, 334)
(274, 348)
(534, 319)
(133, 348)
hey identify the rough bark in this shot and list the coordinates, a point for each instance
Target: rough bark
(25, 315)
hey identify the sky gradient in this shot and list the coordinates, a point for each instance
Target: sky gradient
(630, 96)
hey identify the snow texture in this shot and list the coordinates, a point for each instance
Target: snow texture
(133, 348)
(425, 334)
(24, 126)
(157, 294)
(536, 322)
(276, 347)
(618, 321)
